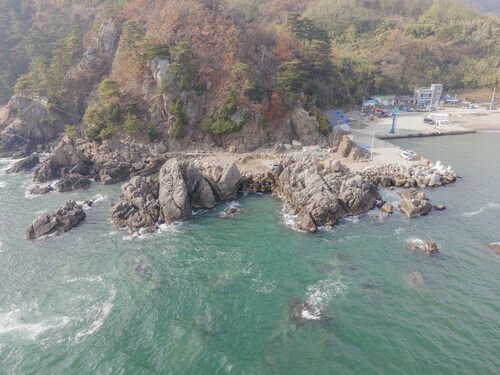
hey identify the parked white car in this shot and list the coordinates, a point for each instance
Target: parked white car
(408, 154)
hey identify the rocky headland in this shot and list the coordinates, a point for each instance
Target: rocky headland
(69, 215)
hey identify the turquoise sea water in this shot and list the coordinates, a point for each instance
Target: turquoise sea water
(212, 296)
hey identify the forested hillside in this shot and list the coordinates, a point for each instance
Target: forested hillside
(185, 70)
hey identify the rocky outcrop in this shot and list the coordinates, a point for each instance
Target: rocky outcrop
(109, 163)
(324, 190)
(65, 157)
(174, 201)
(495, 246)
(345, 146)
(415, 176)
(24, 165)
(414, 203)
(429, 247)
(224, 180)
(102, 47)
(387, 208)
(181, 187)
(41, 189)
(230, 213)
(72, 181)
(305, 127)
(69, 215)
(27, 125)
(138, 206)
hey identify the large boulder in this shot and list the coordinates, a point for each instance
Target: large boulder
(72, 181)
(138, 206)
(69, 215)
(345, 146)
(414, 203)
(66, 155)
(24, 165)
(305, 127)
(495, 246)
(175, 204)
(199, 190)
(225, 181)
(322, 192)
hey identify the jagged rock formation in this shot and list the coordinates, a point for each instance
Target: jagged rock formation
(320, 194)
(414, 203)
(495, 246)
(139, 206)
(27, 125)
(108, 163)
(322, 191)
(181, 187)
(69, 215)
(24, 165)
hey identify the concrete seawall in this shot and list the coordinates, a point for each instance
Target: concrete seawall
(417, 135)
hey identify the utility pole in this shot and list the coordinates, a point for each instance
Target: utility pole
(373, 142)
(492, 98)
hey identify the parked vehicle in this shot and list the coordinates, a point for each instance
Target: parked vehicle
(274, 166)
(408, 154)
(429, 121)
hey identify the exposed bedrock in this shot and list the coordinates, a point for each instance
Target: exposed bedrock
(182, 187)
(69, 215)
(323, 191)
(24, 165)
(414, 203)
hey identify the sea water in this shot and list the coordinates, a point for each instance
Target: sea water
(213, 296)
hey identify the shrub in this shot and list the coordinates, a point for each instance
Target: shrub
(131, 125)
(70, 131)
(181, 121)
(151, 132)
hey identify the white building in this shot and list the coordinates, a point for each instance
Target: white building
(428, 96)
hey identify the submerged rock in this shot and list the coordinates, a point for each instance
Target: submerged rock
(229, 213)
(302, 312)
(41, 189)
(69, 215)
(495, 246)
(431, 248)
(24, 165)
(387, 208)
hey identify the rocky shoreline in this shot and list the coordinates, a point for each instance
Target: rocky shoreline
(318, 187)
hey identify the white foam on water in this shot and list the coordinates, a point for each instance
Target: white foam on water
(88, 279)
(320, 294)
(2, 184)
(162, 228)
(100, 313)
(314, 315)
(352, 219)
(399, 230)
(489, 206)
(415, 241)
(289, 219)
(16, 322)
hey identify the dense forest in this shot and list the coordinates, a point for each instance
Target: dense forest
(215, 65)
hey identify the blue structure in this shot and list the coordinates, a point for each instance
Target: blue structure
(337, 120)
(394, 116)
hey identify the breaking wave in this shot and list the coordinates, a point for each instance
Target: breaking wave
(489, 206)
